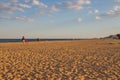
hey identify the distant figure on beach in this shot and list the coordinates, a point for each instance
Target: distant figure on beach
(23, 39)
(37, 39)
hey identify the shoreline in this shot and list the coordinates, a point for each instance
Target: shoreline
(61, 40)
(34, 40)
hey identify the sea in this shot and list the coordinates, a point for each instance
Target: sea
(33, 40)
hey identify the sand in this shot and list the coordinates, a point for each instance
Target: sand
(60, 60)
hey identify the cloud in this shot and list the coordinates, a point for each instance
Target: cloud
(51, 9)
(38, 3)
(98, 17)
(83, 2)
(12, 6)
(75, 5)
(96, 11)
(116, 8)
(27, 1)
(115, 12)
(24, 5)
(35, 2)
(14, 0)
(9, 8)
(54, 9)
(79, 20)
(112, 13)
(20, 18)
(43, 5)
(23, 18)
(116, 0)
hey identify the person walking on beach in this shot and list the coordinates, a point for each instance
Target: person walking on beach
(23, 39)
(37, 39)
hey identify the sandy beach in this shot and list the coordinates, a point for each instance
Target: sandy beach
(60, 60)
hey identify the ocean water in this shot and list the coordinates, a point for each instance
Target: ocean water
(32, 40)
(13, 40)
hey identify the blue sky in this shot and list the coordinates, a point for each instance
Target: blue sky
(59, 18)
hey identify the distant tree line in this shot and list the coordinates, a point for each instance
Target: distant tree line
(117, 36)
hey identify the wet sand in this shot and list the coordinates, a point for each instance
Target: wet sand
(60, 60)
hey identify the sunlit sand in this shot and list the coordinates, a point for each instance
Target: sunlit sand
(60, 60)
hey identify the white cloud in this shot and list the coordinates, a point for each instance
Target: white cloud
(8, 8)
(54, 9)
(115, 12)
(98, 17)
(24, 5)
(83, 2)
(116, 0)
(79, 20)
(35, 2)
(75, 5)
(116, 8)
(96, 11)
(38, 3)
(14, 0)
(43, 5)
(110, 13)
(23, 18)
(20, 18)
(17, 8)
(27, 0)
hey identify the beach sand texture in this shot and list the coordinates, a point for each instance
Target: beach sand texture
(60, 60)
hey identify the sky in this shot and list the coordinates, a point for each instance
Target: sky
(59, 18)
